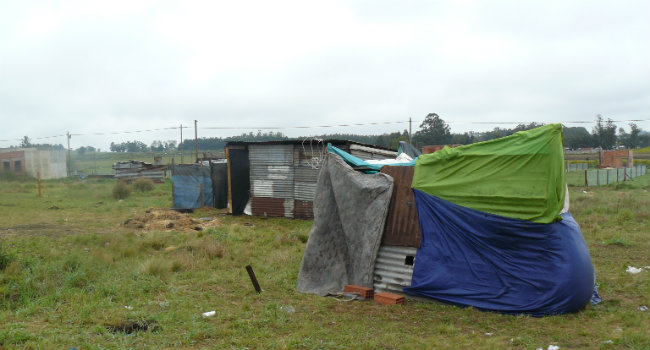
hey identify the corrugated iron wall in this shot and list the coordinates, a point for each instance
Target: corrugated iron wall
(272, 180)
(394, 268)
(273, 207)
(284, 176)
(402, 228)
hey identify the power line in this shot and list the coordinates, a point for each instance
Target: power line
(307, 127)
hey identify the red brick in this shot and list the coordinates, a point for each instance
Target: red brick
(365, 292)
(388, 298)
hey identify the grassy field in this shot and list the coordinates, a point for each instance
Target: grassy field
(73, 274)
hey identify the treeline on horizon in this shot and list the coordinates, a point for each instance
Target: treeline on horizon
(433, 131)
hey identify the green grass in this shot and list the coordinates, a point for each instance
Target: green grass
(77, 277)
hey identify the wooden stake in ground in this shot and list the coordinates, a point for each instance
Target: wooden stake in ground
(251, 274)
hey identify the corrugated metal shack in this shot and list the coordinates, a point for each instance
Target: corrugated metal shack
(132, 170)
(280, 176)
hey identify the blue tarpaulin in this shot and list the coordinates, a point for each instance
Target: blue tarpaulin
(192, 186)
(473, 258)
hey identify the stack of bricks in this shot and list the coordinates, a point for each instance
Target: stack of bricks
(366, 293)
(389, 298)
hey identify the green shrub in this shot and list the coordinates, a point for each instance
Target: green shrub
(143, 185)
(121, 190)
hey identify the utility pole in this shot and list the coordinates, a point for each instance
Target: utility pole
(196, 142)
(69, 156)
(181, 143)
(410, 134)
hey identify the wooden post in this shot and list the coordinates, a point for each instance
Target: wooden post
(607, 177)
(173, 198)
(586, 181)
(196, 142)
(38, 178)
(201, 185)
(181, 143)
(251, 274)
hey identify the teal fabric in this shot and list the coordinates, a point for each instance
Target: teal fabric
(355, 161)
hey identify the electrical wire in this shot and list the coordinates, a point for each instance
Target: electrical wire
(303, 127)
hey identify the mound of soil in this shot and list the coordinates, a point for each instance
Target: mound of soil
(168, 220)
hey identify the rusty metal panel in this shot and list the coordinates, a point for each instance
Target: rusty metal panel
(273, 207)
(303, 209)
(394, 268)
(402, 228)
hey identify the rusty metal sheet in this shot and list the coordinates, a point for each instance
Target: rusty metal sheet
(402, 228)
(303, 209)
(273, 207)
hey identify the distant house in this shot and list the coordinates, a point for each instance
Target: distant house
(51, 164)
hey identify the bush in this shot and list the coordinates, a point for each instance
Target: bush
(143, 185)
(121, 190)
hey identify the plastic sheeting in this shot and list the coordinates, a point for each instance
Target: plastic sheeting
(355, 161)
(192, 186)
(349, 215)
(405, 147)
(520, 176)
(491, 262)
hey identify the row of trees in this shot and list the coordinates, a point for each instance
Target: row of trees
(435, 131)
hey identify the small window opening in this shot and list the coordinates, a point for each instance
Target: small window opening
(410, 259)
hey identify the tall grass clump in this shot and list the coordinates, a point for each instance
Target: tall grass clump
(143, 185)
(5, 259)
(121, 190)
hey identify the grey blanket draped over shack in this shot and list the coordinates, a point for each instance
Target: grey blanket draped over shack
(349, 216)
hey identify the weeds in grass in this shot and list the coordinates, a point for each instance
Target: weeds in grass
(156, 267)
(5, 259)
(143, 185)
(121, 190)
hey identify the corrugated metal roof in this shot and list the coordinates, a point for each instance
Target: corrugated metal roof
(402, 227)
(392, 269)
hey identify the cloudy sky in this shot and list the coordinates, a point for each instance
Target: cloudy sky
(92, 67)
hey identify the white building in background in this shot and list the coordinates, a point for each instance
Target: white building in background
(51, 164)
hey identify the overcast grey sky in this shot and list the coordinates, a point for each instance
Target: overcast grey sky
(109, 66)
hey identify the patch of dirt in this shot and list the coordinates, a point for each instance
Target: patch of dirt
(168, 220)
(129, 327)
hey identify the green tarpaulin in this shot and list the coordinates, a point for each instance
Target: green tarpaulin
(520, 176)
